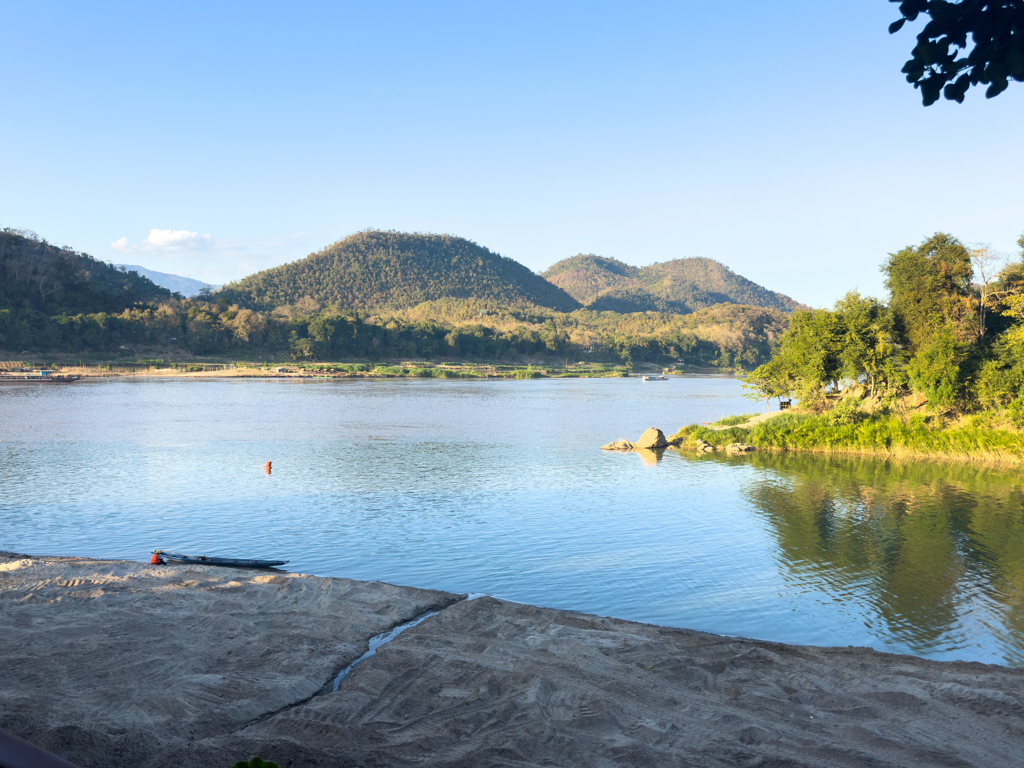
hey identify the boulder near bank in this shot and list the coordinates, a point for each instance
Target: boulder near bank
(652, 439)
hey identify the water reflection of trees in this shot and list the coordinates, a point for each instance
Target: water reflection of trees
(921, 543)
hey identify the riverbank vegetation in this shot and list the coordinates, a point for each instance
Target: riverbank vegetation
(938, 369)
(973, 439)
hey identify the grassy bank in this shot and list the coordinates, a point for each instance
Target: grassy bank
(980, 438)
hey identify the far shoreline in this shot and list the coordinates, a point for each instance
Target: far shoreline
(192, 369)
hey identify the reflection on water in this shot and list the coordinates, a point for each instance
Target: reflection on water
(928, 554)
(501, 488)
(648, 456)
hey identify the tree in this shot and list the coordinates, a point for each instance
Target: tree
(986, 265)
(1009, 293)
(46, 277)
(868, 347)
(930, 287)
(808, 360)
(935, 370)
(937, 64)
(773, 379)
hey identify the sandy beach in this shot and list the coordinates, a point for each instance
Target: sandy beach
(118, 663)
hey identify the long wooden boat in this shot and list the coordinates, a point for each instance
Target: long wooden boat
(233, 562)
(38, 377)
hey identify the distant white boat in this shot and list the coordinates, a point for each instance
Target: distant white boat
(655, 378)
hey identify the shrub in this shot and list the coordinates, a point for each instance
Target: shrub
(846, 411)
(683, 435)
(731, 421)
(935, 370)
(721, 437)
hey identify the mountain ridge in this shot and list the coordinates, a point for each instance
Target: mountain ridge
(376, 270)
(379, 270)
(186, 286)
(679, 285)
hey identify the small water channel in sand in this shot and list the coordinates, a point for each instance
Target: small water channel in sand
(500, 488)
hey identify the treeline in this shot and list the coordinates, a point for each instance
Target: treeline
(723, 337)
(951, 334)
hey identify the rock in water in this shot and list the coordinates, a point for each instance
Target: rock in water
(652, 438)
(618, 445)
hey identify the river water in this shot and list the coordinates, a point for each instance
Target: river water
(499, 487)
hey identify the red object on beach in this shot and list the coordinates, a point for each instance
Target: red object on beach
(156, 559)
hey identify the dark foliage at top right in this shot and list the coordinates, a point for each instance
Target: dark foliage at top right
(940, 63)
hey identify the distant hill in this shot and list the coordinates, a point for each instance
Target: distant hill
(392, 270)
(186, 286)
(680, 285)
(38, 276)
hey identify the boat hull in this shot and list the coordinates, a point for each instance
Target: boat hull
(225, 562)
(39, 379)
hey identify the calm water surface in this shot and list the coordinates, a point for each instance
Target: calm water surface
(500, 487)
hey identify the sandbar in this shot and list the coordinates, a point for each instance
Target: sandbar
(118, 663)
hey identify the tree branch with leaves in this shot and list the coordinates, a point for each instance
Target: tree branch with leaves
(941, 63)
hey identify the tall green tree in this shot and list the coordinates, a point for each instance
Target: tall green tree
(937, 369)
(808, 360)
(825, 350)
(868, 350)
(929, 288)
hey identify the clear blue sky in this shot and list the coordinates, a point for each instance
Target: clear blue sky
(779, 138)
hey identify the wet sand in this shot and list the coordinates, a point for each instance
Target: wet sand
(122, 664)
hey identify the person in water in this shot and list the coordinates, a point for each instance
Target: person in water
(156, 559)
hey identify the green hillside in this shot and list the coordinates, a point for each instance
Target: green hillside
(585, 277)
(680, 285)
(36, 276)
(390, 270)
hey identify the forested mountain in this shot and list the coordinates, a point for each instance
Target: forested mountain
(680, 285)
(389, 270)
(36, 276)
(585, 277)
(186, 286)
(57, 300)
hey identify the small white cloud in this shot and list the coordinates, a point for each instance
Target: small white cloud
(177, 239)
(166, 242)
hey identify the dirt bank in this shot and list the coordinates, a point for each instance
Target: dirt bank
(122, 664)
(112, 663)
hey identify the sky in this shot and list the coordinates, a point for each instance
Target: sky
(214, 139)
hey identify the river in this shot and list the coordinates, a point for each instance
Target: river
(499, 487)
